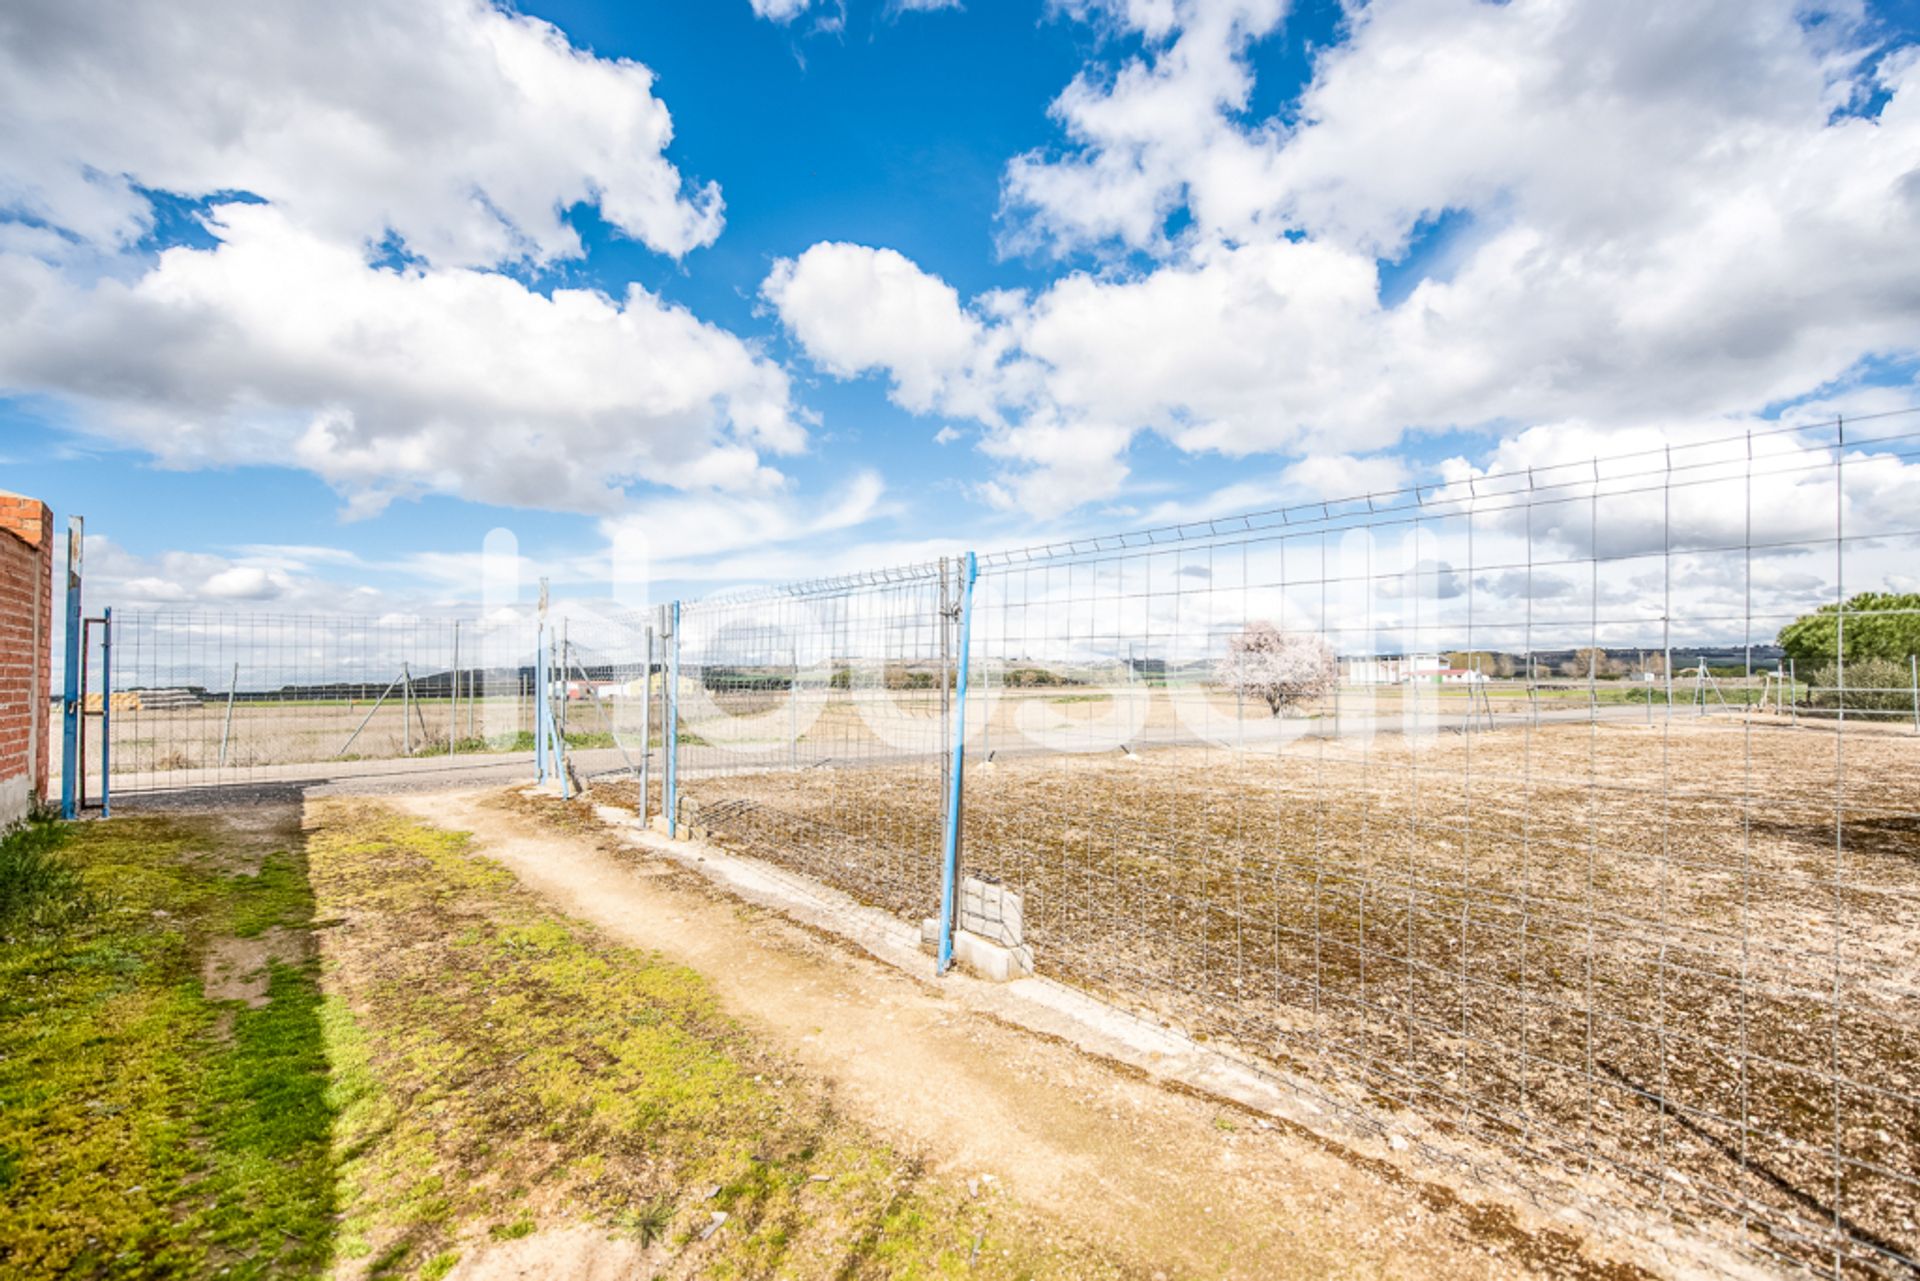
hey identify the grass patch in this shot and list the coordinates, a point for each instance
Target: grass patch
(441, 1065)
(40, 890)
(149, 1130)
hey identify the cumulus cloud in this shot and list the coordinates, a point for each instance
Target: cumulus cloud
(279, 346)
(1700, 486)
(1625, 215)
(462, 129)
(857, 309)
(780, 10)
(374, 173)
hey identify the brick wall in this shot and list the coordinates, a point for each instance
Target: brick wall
(26, 652)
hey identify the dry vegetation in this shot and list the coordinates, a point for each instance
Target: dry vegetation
(1668, 966)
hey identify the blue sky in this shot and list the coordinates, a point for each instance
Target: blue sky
(966, 274)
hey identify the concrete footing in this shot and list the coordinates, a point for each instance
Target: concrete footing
(981, 957)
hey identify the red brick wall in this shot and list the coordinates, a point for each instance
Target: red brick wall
(26, 651)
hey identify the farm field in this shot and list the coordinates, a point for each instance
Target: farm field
(157, 739)
(1650, 956)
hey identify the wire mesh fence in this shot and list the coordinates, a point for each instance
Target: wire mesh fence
(204, 699)
(1566, 817)
(814, 728)
(610, 696)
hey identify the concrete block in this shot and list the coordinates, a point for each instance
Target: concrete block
(992, 911)
(979, 956)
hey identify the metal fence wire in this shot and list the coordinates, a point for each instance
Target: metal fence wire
(1560, 861)
(207, 699)
(815, 725)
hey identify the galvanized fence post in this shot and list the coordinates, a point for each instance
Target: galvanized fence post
(670, 727)
(565, 666)
(453, 695)
(956, 772)
(539, 697)
(646, 725)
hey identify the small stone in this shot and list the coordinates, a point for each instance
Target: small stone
(1397, 1143)
(713, 1224)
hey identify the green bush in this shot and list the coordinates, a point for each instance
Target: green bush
(39, 890)
(1878, 625)
(1873, 684)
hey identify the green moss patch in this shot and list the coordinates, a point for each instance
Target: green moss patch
(148, 1130)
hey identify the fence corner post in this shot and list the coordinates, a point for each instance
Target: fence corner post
(956, 771)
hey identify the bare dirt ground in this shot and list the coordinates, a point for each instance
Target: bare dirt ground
(1678, 957)
(1181, 1184)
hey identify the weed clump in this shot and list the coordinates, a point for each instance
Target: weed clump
(40, 890)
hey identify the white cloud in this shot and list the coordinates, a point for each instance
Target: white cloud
(449, 137)
(1146, 133)
(785, 11)
(780, 10)
(1684, 486)
(245, 582)
(280, 347)
(177, 580)
(1658, 214)
(682, 534)
(857, 309)
(463, 129)
(1345, 476)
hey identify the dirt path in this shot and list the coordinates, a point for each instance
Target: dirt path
(1184, 1185)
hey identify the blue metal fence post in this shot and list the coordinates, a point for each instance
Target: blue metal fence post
(70, 701)
(956, 774)
(106, 713)
(670, 732)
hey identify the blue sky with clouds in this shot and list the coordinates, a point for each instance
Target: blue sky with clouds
(312, 300)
